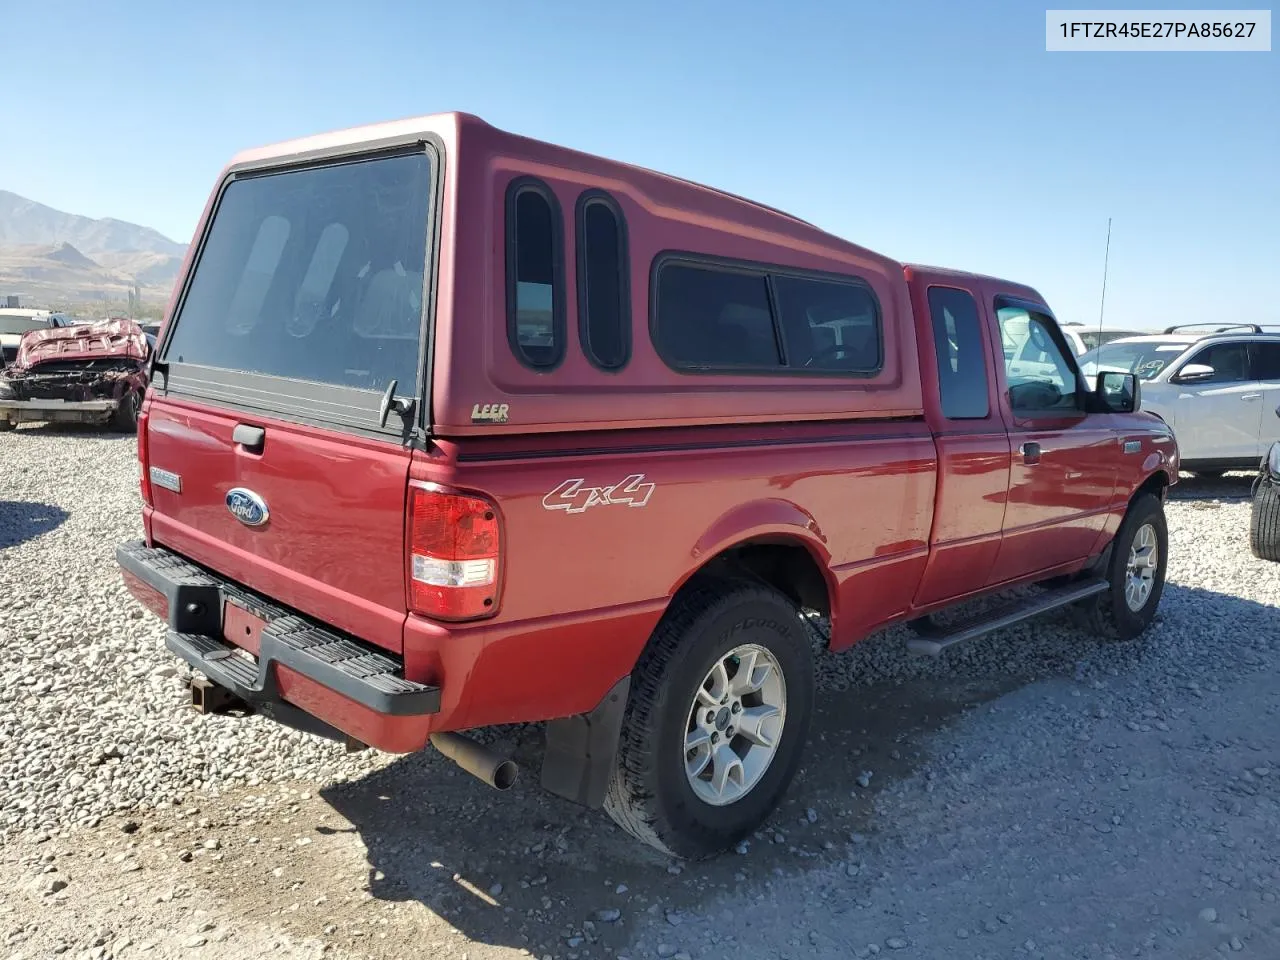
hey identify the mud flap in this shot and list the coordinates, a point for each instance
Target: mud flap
(581, 749)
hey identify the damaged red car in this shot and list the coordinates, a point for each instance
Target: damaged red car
(88, 373)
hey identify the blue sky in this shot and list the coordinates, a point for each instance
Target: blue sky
(933, 132)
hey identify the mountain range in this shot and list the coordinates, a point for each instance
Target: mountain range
(52, 258)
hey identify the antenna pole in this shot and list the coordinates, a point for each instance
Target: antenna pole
(1106, 257)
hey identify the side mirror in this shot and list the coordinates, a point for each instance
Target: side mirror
(1119, 392)
(1194, 373)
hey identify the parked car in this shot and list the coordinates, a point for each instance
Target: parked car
(1212, 388)
(1084, 337)
(15, 321)
(451, 428)
(1028, 358)
(1264, 517)
(87, 373)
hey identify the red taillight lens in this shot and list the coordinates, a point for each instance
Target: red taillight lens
(144, 459)
(454, 552)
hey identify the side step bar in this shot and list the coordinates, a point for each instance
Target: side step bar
(931, 640)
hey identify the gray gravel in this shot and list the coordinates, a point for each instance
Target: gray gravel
(91, 715)
(1036, 793)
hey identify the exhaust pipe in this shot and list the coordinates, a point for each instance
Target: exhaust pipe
(477, 759)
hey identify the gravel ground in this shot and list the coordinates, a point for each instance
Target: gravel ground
(1035, 793)
(89, 711)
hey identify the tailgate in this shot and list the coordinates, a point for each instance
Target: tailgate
(314, 521)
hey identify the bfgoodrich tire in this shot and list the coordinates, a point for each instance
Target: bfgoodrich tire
(716, 720)
(1264, 522)
(1135, 573)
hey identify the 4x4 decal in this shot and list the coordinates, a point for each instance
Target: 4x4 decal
(572, 497)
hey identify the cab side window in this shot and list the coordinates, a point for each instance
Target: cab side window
(1041, 379)
(1230, 362)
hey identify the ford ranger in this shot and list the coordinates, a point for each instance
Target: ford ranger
(449, 428)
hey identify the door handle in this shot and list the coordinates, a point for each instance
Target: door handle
(1250, 396)
(1031, 452)
(251, 438)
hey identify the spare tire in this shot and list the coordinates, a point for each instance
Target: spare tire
(1264, 522)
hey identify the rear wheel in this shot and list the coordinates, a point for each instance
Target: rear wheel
(1264, 522)
(7, 425)
(1135, 573)
(716, 720)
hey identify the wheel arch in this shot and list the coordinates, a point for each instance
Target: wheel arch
(1156, 483)
(773, 541)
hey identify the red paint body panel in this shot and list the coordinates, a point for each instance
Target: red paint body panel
(587, 588)
(614, 488)
(378, 730)
(149, 597)
(242, 628)
(333, 546)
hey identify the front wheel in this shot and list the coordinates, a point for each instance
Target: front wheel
(1135, 573)
(1264, 522)
(716, 720)
(125, 419)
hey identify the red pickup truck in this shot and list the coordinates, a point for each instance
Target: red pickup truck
(450, 428)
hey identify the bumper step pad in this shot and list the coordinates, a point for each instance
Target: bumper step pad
(317, 652)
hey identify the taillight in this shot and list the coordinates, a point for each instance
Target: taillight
(144, 459)
(454, 554)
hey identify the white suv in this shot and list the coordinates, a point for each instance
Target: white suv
(1218, 391)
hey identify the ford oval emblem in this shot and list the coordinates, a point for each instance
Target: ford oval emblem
(247, 507)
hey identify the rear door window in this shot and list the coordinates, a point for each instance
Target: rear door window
(314, 275)
(1266, 360)
(1230, 362)
(961, 356)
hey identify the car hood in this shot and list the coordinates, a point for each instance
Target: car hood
(108, 339)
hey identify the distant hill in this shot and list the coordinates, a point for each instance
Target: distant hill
(66, 253)
(49, 257)
(24, 222)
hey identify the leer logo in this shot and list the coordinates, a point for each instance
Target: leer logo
(572, 497)
(489, 413)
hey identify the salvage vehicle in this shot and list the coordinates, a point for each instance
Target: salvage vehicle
(85, 373)
(451, 428)
(1264, 515)
(1212, 387)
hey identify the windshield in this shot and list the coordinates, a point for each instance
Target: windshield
(314, 275)
(18, 325)
(1146, 358)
